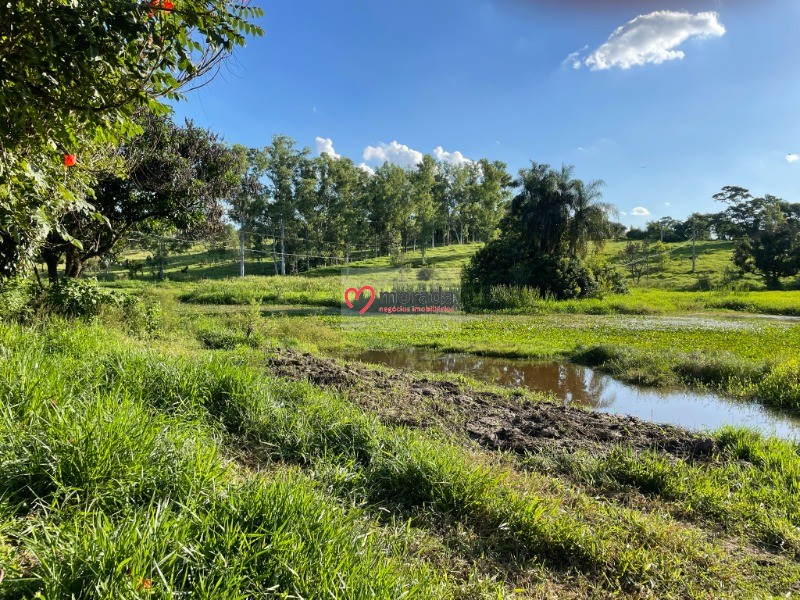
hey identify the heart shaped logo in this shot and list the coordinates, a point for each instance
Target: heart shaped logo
(366, 288)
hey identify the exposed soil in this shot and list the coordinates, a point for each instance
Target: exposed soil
(495, 421)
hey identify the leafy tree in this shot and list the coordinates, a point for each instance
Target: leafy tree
(544, 240)
(423, 182)
(493, 192)
(774, 250)
(617, 230)
(634, 233)
(742, 217)
(389, 199)
(335, 212)
(172, 184)
(72, 76)
(290, 179)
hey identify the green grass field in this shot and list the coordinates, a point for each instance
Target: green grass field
(160, 468)
(157, 454)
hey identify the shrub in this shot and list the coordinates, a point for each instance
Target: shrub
(141, 318)
(704, 283)
(555, 277)
(15, 300)
(426, 273)
(78, 298)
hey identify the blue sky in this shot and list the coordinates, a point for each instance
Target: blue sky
(498, 80)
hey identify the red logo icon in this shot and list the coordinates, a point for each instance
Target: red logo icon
(366, 288)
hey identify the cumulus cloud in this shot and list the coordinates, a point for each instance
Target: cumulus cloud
(792, 158)
(395, 152)
(325, 146)
(640, 211)
(454, 158)
(366, 168)
(650, 39)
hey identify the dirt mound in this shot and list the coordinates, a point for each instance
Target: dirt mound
(494, 420)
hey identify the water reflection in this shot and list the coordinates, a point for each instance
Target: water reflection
(583, 386)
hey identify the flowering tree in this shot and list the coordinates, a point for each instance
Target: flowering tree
(72, 75)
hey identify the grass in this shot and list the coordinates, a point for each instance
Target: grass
(162, 474)
(170, 461)
(753, 488)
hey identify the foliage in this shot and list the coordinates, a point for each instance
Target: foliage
(544, 241)
(73, 75)
(644, 258)
(78, 298)
(15, 299)
(773, 249)
(173, 182)
(426, 274)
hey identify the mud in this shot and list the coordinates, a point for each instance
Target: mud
(496, 421)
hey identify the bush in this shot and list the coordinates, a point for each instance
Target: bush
(397, 258)
(15, 300)
(704, 283)
(140, 318)
(78, 298)
(555, 277)
(426, 273)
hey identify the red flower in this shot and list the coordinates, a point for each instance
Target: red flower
(143, 584)
(167, 5)
(70, 160)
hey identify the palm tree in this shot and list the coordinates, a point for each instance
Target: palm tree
(589, 220)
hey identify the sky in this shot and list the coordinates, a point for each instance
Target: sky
(666, 102)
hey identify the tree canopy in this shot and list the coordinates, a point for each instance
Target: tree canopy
(72, 75)
(172, 181)
(545, 238)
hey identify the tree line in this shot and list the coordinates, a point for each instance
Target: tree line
(305, 210)
(765, 229)
(171, 186)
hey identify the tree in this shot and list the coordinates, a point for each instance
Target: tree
(289, 178)
(423, 182)
(72, 76)
(493, 191)
(172, 183)
(389, 199)
(617, 230)
(774, 250)
(589, 222)
(544, 240)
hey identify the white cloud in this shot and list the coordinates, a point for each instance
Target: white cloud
(792, 158)
(454, 158)
(396, 153)
(640, 211)
(325, 146)
(366, 168)
(650, 39)
(573, 61)
(667, 203)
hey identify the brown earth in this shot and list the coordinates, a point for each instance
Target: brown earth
(494, 420)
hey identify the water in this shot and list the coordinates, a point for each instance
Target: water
(576, 385)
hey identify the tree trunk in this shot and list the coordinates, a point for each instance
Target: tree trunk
(283, 251)
(241, 254)
(51, 260)
(74, 264)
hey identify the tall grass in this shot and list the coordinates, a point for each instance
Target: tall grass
(104, 493)
(124, 471)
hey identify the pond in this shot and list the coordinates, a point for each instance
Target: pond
(576, 385)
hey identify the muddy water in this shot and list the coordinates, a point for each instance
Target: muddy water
(576, 385)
